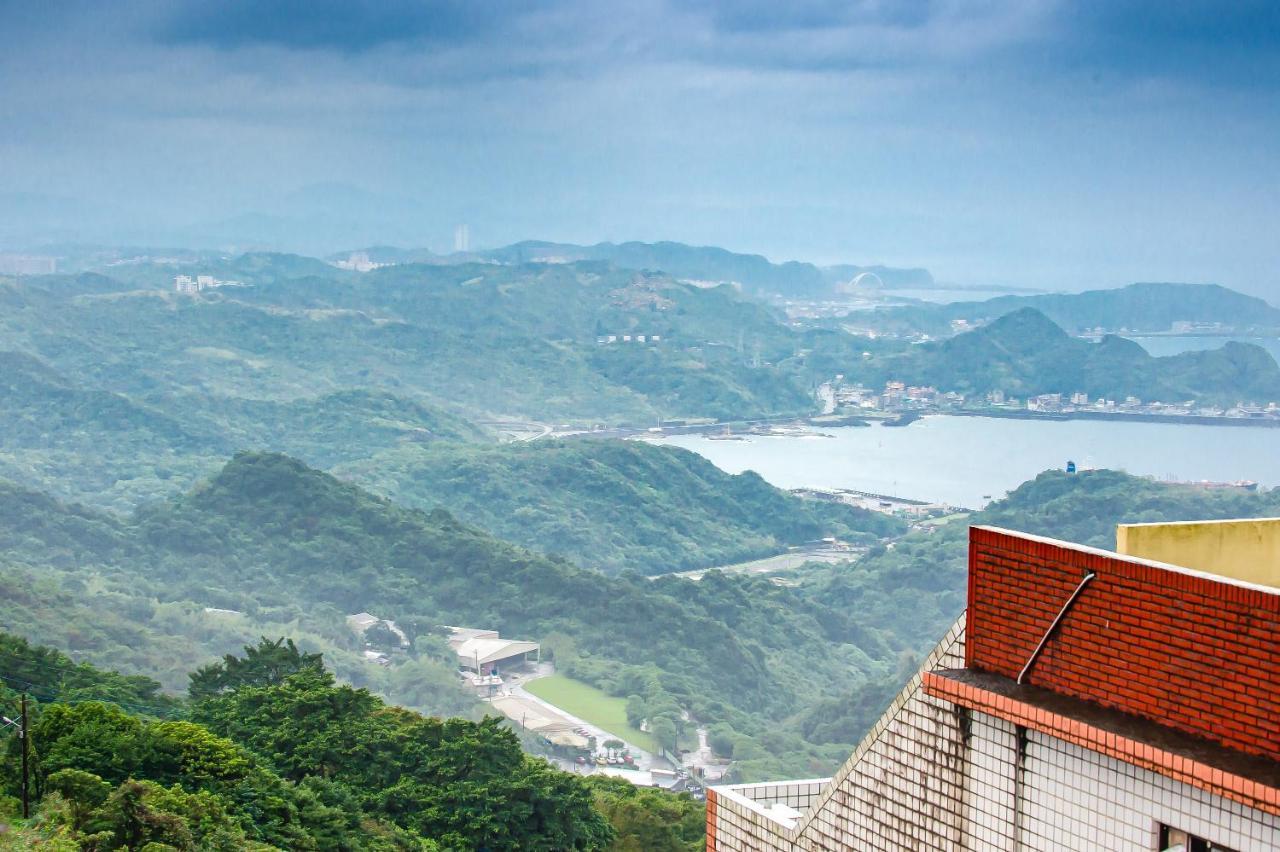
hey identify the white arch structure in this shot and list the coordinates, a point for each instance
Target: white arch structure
(866, 279)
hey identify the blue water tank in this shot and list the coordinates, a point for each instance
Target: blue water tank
(1071, 467)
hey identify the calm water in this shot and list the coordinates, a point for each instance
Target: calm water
(1161, 346)
(958, 460)
(946, 296)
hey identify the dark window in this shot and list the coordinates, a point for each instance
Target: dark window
(1176, 840)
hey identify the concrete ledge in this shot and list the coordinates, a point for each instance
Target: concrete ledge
(1249, 780)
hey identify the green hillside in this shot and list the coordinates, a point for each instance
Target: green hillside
(613, 505)
(1024, 353)
(118, 450)
(276, 548)
(515, 340)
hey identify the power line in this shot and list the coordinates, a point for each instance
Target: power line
(54, 695)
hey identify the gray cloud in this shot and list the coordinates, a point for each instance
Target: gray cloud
(1029, 141)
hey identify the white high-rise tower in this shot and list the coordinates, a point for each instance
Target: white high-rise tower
(462, 238)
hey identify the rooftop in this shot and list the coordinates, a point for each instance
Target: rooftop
(476, 646)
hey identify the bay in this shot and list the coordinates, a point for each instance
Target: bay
(964, 461)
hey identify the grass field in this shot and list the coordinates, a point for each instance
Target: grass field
(591, 705)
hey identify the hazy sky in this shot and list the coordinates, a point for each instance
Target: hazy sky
(1023, 142)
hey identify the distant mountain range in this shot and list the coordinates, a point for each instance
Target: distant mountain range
(1143, 307)
(754, 273)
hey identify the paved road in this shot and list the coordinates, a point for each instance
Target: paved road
(712, 767)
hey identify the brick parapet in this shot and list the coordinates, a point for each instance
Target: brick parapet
(1191, 651)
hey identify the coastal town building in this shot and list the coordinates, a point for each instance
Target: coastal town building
(1086, 700)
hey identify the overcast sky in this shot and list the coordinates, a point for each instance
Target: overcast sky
(1021, 142)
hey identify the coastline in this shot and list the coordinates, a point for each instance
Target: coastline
(1122, 417)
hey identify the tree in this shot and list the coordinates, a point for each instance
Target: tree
(464, 783)
(379, 635)
(664, 731)
(721, 739)
(637, 710)
(83, 791)
(134, 823)
(262, 665)
(647, 819)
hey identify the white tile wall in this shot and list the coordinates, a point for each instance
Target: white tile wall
(914, 784)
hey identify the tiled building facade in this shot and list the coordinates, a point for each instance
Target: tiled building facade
(1147, 718)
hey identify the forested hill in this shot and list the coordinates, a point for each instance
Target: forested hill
(1145, 307)
(517, 340)
(612, 505)
(270, 540)
(1025, 353)
(270, 753)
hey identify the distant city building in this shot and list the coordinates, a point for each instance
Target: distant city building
(1086, 701)
(358, 261)
(189, 285)
(27, 264)
(462, 238)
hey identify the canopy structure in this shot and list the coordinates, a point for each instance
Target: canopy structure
(479, 649)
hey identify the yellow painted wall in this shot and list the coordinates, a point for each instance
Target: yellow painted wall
(1242, 549)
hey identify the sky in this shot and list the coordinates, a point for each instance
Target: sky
(1033, 143)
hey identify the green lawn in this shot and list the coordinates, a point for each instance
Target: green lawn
(591, 705)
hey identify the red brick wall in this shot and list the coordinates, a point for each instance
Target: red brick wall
(1198, 654)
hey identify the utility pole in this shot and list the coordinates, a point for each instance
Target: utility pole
(21, 727)
(22, 734)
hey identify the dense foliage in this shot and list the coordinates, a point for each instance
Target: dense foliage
(612, 505)
(274, 548)
(282, 757)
